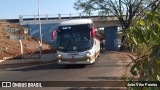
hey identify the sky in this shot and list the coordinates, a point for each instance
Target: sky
(11, 9)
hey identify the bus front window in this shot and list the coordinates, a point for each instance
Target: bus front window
(75, 38)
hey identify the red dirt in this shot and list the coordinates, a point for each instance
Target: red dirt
(10, 48)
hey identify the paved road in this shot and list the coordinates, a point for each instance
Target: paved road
(109, 66)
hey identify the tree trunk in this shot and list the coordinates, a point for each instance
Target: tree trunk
(122, 47)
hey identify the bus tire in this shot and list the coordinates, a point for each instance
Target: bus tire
(98, 55)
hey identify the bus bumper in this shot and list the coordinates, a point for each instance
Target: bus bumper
(85, 60)
(78, 62)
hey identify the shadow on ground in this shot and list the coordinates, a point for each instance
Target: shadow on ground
(49, 67)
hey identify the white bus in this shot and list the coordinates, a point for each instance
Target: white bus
(77, 42)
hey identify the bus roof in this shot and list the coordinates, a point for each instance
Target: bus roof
(76, 22)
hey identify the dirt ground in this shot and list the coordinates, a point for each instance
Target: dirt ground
(10, 48)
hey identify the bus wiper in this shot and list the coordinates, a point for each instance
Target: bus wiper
(65, 49)
(83, 49)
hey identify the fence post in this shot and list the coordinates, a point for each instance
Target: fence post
(35, 17)
(47, 16)
(70, 16)
(21, 46)
(20, 18)
(79, 15)
(59, 16)
(99, 14)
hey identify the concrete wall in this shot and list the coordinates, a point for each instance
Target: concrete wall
(46, 29)
(111, 38)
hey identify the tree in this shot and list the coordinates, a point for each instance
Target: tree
(144, 38)
(119, 8)
(124, 10)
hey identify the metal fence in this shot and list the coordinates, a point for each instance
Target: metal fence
(63, 16)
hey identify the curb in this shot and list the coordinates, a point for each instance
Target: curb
(46, 58)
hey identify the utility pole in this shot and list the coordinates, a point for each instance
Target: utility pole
(40, 31)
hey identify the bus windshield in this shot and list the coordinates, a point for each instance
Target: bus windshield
(74, 38)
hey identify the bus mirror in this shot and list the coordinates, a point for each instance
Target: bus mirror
(59, 28)
(53, 34)
(92, 32)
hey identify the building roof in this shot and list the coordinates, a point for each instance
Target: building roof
(76, 21)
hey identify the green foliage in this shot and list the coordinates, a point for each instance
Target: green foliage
(144, 38)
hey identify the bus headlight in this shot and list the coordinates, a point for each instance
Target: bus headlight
(59, 61)
(88, 54)
(59, 56)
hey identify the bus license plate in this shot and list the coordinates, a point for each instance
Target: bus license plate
(73, 61)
